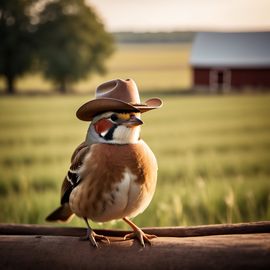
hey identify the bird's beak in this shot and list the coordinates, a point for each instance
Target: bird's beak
(133, 121)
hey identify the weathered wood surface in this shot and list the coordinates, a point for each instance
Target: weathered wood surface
(235, 246)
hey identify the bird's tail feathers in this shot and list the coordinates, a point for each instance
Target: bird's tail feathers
(62, 214)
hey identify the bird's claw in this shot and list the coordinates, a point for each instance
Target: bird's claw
(97, 237)
(93, 237)
(141, 236)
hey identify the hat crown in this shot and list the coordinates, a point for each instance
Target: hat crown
(123, 90)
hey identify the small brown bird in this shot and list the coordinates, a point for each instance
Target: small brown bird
(113, 173)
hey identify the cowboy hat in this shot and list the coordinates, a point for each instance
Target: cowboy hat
(116, 95)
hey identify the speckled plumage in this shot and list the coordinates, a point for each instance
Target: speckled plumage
(101, 195)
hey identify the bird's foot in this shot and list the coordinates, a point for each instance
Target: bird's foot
(94, 238)
(141, 236)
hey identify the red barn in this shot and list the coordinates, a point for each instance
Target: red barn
(221, 61)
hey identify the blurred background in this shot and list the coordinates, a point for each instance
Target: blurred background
(208, 60)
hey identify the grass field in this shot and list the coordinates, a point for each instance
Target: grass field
(213, 154)
(153, 66)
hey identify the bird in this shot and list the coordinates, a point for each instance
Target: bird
(113, 172)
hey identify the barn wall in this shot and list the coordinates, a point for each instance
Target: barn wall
(250, 77)
(201, 76)
(239, 77)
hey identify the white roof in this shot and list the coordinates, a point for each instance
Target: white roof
(248, 49)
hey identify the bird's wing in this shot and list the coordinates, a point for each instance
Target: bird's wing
(72, 178)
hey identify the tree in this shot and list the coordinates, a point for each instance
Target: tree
(16, 40)
(73, 42)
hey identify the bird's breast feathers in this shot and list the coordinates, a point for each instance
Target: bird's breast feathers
(116, 181)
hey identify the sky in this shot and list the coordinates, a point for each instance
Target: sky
(170, 15)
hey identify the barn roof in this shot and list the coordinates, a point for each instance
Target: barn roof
(249, 49)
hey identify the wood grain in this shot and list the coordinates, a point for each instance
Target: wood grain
(235, 246)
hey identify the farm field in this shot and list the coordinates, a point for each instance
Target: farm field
(213, 154)
(152, 66)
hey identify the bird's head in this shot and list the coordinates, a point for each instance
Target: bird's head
(115, 128)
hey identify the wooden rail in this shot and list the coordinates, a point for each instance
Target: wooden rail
(230, 246)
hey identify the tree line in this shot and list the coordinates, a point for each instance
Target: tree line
(64, 39)
(154, 37)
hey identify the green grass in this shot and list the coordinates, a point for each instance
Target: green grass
(153, 66)
(213, 154)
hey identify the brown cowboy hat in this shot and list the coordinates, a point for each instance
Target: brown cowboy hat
(116, 95)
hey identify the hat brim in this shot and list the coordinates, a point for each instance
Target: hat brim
(94, 107)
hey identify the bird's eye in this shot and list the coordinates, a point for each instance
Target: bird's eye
(114, 117)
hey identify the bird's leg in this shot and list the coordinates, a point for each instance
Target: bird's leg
(92, 236)
(138, 233)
